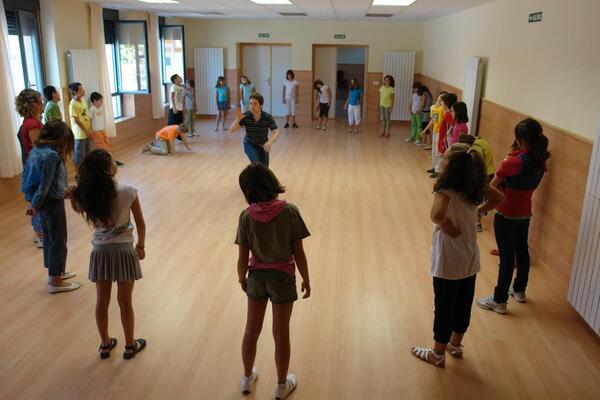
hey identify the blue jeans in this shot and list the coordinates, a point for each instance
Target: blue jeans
(256, 154)
(82, 147)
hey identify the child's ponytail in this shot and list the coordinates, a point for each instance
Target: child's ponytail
(531, 131)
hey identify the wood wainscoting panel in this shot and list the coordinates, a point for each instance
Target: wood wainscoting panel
(233, 80)
(305, 93)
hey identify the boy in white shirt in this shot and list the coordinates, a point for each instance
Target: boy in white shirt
(98, 135)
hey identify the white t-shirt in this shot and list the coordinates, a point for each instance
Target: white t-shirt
(324, 94)
(179, 97)
(416, 102)
(98, 118)
(290, 88)
(122, 229)
(456, 258)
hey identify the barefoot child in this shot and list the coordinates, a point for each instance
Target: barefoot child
(107, 206)
(43, 182)
(273, 231)
(460, 188)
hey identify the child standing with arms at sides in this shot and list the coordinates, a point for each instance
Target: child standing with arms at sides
(80, 122)
(519, 175)
(222, 98)
(273, 231)
(426, 133)
(386, 104)
(290, 98)
(323, 97)
(416, 114)
(43, 182)
(436, 116)
(454, 252)
(164, 142)
(98, 135)
(190, 107)
(107, 205)
(447, 123)
(175, 101)
(51, 111)
(460, 127)
(246, 89)
(352, 104)
(29, 106)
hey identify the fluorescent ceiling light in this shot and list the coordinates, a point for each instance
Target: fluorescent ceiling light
(160, 1)
(393, 2)
(271, 1)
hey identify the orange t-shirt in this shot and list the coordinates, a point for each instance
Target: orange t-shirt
(168, 133)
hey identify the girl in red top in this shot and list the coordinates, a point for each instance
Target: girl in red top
(29, 106)
(447, 123)
(519, 175)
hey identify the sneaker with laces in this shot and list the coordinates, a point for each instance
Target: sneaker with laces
(68, 275)
(39, 242)
(69, 287)
(248, 382)
(488, 303)
(282, 391)
(518, 296)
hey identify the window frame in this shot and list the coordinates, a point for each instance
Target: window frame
(164, 79)
(115, 67)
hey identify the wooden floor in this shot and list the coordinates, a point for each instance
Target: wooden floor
(366, 201)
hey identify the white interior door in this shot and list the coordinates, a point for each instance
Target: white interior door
(257, 67)
(400, 65)
(325, 70)
(281, 61)
(208, 67)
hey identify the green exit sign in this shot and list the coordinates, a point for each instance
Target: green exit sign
(339, 36)
(264, 35)
(535, 17)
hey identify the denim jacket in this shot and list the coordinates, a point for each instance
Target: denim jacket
(45, 175)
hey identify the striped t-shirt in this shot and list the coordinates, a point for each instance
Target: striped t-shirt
(257, 132)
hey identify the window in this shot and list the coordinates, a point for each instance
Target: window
(133, 56)
(24, 49)
(172, 54)
(111, 60)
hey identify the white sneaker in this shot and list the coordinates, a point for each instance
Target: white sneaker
(68, 275)
(39, 242)
(518, 296)
(488, 303)
(63, 288)
(284, 390)
(189, 134)
(248, 382)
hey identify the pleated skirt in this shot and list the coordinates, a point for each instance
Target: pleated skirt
(114, 262)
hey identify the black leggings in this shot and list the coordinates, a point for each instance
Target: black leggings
(453, 301)
(511, 238)
(54, 225)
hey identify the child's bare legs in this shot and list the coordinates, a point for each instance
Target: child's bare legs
(224, 117)
(254, 322)
(103, 289)
(281, 334)
(456, 339)
(125, 289)
(325, 119)
(439, 348)
(219, 113)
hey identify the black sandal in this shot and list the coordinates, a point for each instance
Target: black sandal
(136, 347)
(105, 350)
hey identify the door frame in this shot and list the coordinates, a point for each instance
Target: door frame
(240, 61)
(339, 46)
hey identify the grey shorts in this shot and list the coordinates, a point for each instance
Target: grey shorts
(278, 286)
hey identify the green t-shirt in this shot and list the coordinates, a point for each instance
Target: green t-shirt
(79, 109)
(273, 241)
(51, 112)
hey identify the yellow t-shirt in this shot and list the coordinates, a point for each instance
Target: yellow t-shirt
(79, 109)
(483, 147)
(385, 96)
(437, 116)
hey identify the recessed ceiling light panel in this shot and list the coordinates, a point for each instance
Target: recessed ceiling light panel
(393, 2)
(271, 1)
(160, 1)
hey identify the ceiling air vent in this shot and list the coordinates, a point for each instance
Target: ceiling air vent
(378, 15)
(293, 14)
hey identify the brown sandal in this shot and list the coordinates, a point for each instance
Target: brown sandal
(105, 350)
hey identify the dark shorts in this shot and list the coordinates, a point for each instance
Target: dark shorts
(222, 105)
(278, 286)
(175, 118)
(323, 110)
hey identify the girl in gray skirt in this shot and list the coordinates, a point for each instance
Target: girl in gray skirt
(107, 205)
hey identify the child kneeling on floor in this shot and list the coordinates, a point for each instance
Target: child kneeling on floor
(273, 230)
(107, 206)
(164, 143)
(461, 186)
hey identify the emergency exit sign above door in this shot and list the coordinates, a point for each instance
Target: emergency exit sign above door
(535, 17)
(339, 36)
(264, 35)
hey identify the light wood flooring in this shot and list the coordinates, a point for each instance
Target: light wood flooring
(366, 202)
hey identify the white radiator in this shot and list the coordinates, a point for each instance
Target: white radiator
(472, 90)
(401, 65)
(584, 290)
(208, 66)
(83, 68)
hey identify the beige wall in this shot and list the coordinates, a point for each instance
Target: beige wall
(549, 70)
(72, 28)
(380, 36)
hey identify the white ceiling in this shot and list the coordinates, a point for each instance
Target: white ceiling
(316, 9)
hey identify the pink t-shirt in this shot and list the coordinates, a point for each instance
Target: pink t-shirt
(460, 128)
